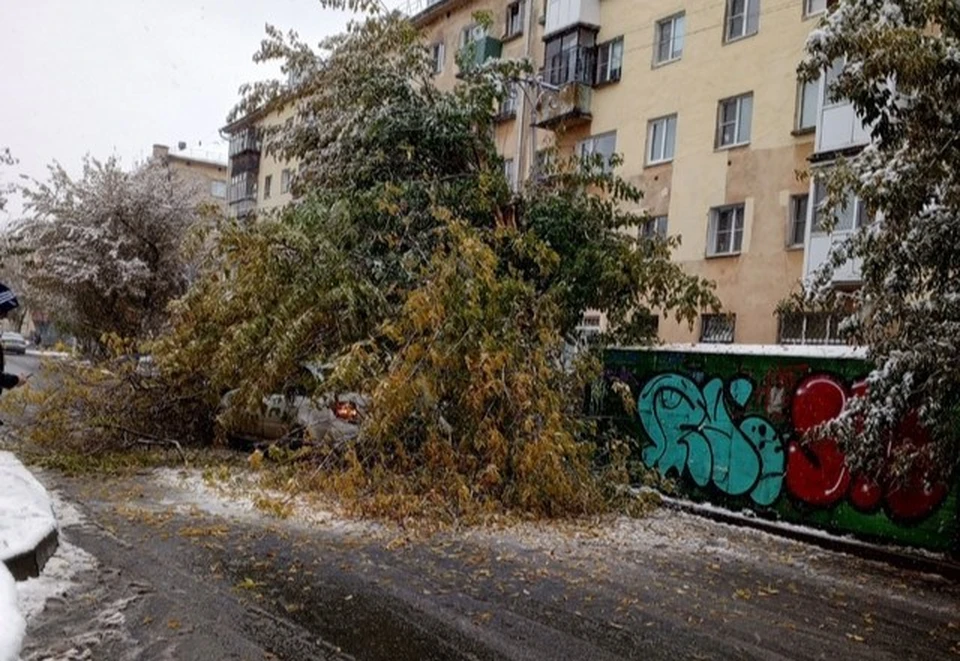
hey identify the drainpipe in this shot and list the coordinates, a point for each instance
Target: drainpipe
(522, 113)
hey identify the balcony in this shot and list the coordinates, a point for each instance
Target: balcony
(474, 54)
(572, 73)
(564, 14)
(243, 187)
(819, 245)
(244, 141)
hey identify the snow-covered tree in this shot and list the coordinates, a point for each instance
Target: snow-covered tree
(105, 250)
(901, 70)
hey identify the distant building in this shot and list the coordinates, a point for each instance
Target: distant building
(209, 173)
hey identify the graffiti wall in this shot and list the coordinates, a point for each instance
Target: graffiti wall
(729, 428)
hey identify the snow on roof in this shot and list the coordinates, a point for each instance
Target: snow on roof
(784, 350)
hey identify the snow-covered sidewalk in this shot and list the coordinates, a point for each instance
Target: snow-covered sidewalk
(28, 535)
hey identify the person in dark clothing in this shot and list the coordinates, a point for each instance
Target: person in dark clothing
(8, 303)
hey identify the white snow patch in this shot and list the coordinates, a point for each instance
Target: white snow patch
(12, 624)
(788, 350)
(26, 515)
(55, 579)
(236, 498)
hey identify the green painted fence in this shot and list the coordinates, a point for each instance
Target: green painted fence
(727, 423)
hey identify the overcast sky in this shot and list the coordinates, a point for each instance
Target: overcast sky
(116, 76)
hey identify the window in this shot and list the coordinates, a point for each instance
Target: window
(833, 72)
(508, 107)
(571, 58)
(852, 215)
(590, 327)
(218, 189)
(811, 7)
(438, 53)
(807, 97)
(809, 328)
(669, 39)
(604, 144)
(797, 229)
(733, 121)
(514, 19)
(509, 173)
(609, 61)
(725, 235)
(471, 34)
(717, 328)
(743, 18)
(655, 226)
(286, 179)
(661, 136)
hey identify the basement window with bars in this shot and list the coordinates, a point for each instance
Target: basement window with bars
(717, 328)
(809, 328)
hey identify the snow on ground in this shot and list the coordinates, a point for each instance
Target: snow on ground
(26, 515)
(238, 497)
(12, 624)
(61, 569)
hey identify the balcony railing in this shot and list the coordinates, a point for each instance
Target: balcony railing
(242, 187)
(572, 65)
(246, 140)
(568, 106)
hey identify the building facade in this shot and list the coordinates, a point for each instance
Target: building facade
(701, 100)
(207, 173)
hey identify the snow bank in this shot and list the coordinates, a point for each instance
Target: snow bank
(26, 514)
(12, 624)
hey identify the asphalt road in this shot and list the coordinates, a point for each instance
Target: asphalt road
(168, 568)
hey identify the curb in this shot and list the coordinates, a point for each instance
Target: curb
(29, 532)
(944, 567)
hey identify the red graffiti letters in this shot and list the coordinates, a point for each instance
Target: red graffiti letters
(817, 472)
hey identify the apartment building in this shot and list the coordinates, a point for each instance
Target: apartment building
(206, 171)
(701, 100)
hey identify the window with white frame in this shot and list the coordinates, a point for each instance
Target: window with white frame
(514, 19)
(811, 7)
(743, 18)
(218, 189)
(267, 181)
(725, 233)
(718, 328)
(438, 53)
(733, 121)
(510, 173)
(808, 95)
(661, 139)
(472, 33)
(848, 217)
(609, 61)
(797, 227)
(809, 328)
(508, 106)
(590, 327)
(668, 44)
(654, 226)
(286, 180)
(604, 144)
(833, 72)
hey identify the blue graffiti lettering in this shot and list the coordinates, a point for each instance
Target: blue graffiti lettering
(691, 428)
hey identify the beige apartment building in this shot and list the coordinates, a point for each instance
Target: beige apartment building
(701, 100)
(206, 171)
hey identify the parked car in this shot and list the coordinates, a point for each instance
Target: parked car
(13, 342)
(295, 417)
